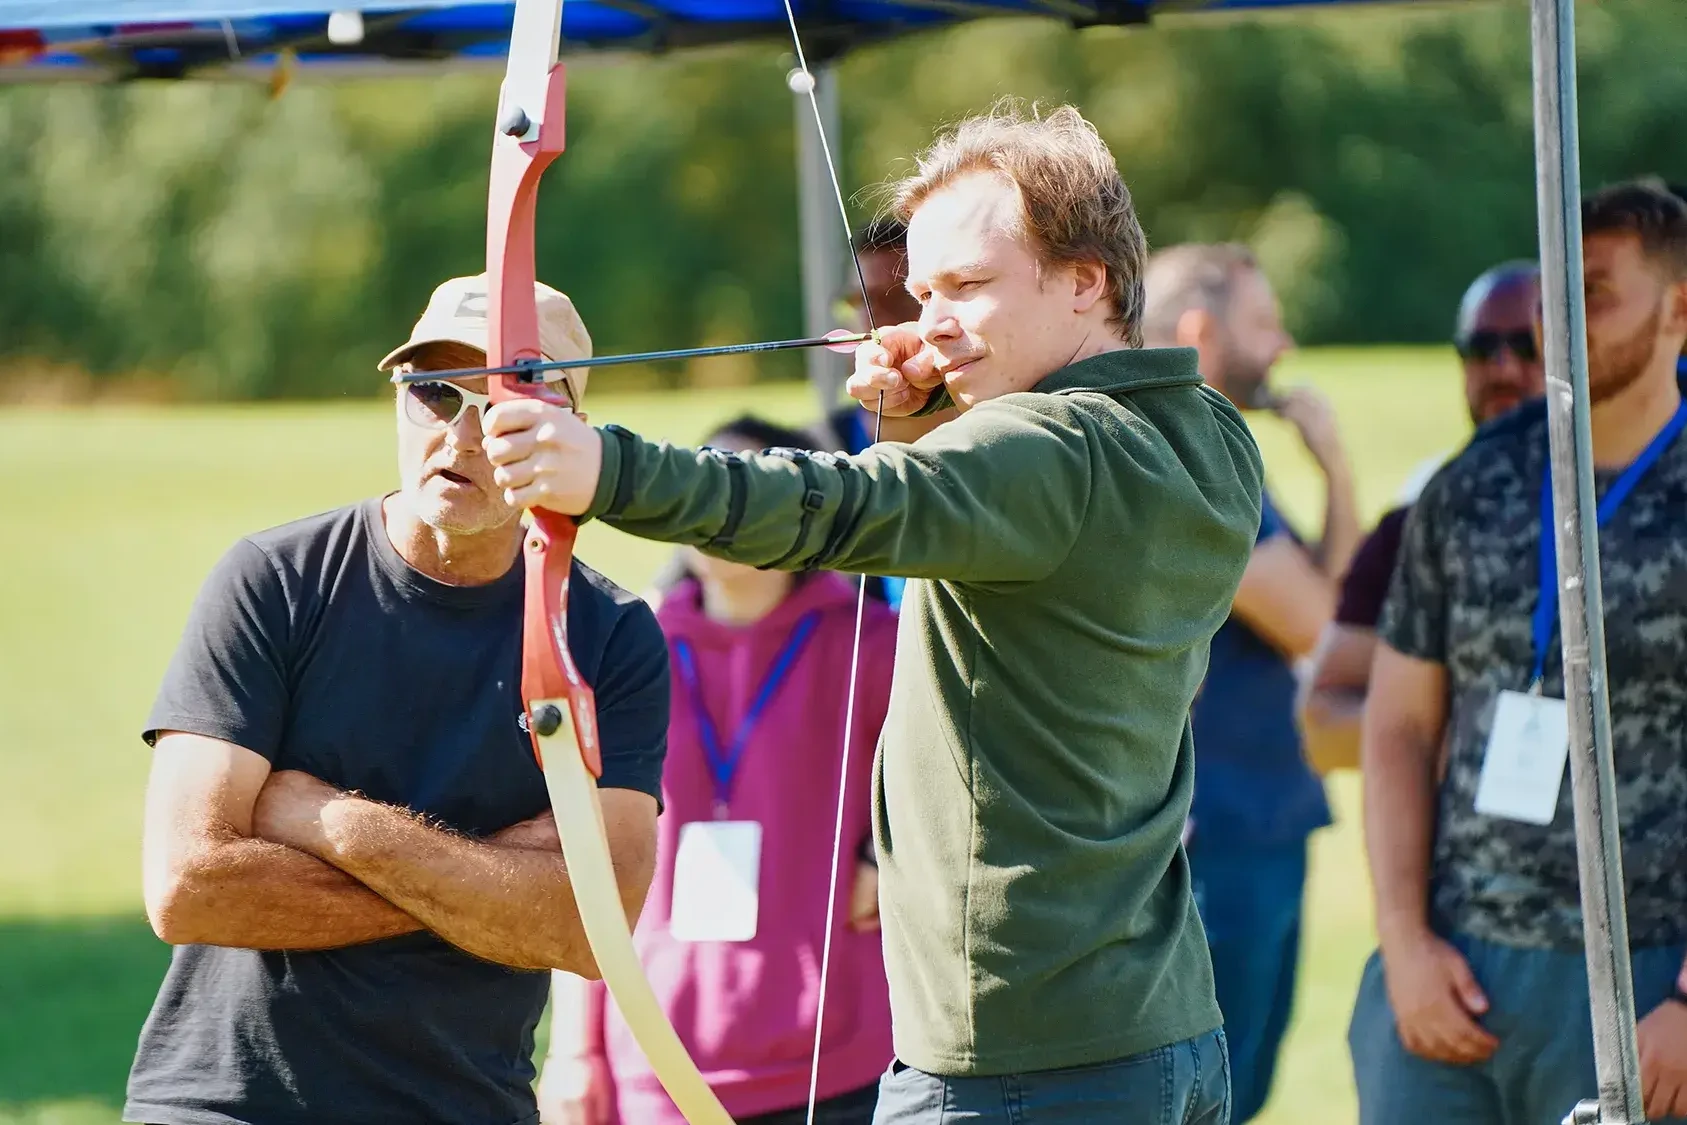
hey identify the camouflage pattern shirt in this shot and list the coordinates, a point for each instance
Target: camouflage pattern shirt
(1462, 597)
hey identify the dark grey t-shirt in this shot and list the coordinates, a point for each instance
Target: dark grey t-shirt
(317, 646)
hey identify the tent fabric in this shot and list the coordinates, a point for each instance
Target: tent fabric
(189, 38)
(117, 39)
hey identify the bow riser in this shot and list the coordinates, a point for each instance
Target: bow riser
(520, 154)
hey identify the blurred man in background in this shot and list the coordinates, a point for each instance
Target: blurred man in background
(1256, 802)
(1475, 1006)
(1495, 338)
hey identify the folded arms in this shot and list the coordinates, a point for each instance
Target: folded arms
(237, 855)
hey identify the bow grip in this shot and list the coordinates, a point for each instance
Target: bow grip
(549, 679)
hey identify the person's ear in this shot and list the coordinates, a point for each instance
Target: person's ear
(1089, 285)
(1678, 307)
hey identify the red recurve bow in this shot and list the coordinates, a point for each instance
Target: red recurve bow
(560, 708)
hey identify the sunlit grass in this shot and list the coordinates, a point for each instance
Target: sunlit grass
(114, 516)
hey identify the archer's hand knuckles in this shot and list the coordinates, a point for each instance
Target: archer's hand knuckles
(872, 357)
(546, 433)
(502, 449)
(502, 418)
(518, 415)
(513, 476)
(902, 338)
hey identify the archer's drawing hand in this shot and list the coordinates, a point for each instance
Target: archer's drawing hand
(543, 455)
(901, 366)
(1436, 1001)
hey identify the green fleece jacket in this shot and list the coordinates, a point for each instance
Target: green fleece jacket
(1073, 549)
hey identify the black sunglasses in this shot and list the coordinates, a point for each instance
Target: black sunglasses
(1485, 346)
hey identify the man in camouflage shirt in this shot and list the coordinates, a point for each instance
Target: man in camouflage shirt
(1475, 1008)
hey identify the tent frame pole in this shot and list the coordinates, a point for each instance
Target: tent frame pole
(1581, 610)
(817, 216)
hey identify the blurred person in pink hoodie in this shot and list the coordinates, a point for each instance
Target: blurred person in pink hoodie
(733, 929)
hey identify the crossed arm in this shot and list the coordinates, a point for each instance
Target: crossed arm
(236, 855)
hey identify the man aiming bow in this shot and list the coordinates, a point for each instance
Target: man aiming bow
(1075, 537)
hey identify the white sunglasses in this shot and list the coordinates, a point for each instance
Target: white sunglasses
(435, 402)
(438, 402)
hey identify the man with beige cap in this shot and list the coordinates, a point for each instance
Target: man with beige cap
(347, 839)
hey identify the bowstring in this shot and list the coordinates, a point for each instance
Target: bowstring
(861, 589)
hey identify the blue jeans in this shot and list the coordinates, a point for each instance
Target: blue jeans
(1250, 904)
(1186, 1083)
(1537, 1009)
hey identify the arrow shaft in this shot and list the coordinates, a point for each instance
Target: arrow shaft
(636, 357)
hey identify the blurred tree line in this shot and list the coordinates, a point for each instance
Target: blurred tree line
(206, 240)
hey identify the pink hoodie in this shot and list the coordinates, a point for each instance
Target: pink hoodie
(746, 1010)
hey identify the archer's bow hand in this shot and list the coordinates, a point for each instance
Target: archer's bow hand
(901, 366)
(543, 455)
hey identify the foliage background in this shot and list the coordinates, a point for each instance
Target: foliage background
(207, 241)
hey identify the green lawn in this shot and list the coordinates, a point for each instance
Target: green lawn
(113, 517)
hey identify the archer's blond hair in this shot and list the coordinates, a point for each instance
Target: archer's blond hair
(1074, 205)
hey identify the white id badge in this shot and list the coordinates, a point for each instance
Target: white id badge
(1523, 768)
(716, 881)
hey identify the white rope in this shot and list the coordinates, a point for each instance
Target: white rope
(861, 592)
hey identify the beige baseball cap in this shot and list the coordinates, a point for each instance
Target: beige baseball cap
(456, 313)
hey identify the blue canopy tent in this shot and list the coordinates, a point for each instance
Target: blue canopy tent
(41, 39)
(106, 40)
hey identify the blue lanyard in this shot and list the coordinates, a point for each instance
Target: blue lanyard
(723, 763)
(1546, 606)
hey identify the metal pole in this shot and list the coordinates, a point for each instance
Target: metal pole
(822, 256)
(1581, 609)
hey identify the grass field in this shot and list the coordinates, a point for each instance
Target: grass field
(115, 516)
